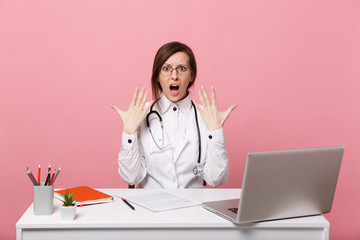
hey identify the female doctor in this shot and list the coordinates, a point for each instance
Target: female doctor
(172, 142)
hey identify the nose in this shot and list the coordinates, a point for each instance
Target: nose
(174, 74)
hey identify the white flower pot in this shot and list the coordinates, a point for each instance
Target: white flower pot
(68, 213)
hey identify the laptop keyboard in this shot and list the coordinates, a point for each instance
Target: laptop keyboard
(234, 210)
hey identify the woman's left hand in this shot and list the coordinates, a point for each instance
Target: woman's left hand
(210, 113)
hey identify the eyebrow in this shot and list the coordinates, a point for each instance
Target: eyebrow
(181, 64)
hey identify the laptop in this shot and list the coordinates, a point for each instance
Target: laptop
(284, 184)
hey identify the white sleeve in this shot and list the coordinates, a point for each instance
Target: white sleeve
(216, 166)
(131, 167)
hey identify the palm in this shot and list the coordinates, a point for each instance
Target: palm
(210, 113)
(135, 115)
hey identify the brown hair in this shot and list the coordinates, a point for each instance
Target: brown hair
(161, 56)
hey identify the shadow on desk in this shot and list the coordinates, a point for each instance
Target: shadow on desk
(133, 186)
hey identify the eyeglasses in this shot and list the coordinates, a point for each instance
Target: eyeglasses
(181, 70)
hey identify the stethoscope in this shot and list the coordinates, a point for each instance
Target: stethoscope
(199, 168)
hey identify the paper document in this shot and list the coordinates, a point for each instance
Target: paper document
(157, 200)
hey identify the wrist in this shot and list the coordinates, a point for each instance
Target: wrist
(129, 131)
(215, 126)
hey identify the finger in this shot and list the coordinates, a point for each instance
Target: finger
(206, 96)
(133, 101)
(213, 96)
(202, 99)
(140, 97)
(197, 106)
(229, 110)
(114, 107)
(121, 113)
(149, 106)
(143, 100)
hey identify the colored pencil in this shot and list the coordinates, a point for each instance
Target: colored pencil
(39, 171)
(52, 177)
(48, 177)
(32, 176)
(57, 173)
(32, 179)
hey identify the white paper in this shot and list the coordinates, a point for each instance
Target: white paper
(157, 200)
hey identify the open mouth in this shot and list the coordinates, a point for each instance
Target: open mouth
(174, 87)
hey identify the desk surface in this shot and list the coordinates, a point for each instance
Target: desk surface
(117, 215)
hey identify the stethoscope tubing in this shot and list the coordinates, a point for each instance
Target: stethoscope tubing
(161, 123)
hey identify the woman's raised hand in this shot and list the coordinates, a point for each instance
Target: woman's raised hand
(210, 113)
(135, 115)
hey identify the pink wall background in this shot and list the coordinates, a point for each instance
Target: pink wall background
(291, 66)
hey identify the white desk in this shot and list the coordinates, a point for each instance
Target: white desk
(117, 221)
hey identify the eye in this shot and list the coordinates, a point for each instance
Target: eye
(182, 69)
(166, 68)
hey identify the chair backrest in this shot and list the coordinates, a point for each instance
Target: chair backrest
(133, 186)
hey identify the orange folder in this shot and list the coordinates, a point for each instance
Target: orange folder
(85, 195)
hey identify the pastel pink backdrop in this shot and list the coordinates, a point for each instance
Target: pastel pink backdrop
(291, 66)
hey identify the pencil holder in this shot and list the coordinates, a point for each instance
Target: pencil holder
(43, 199)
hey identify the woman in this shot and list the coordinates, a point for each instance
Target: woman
(173, 156)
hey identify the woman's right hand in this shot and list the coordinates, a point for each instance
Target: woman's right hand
(135, 115)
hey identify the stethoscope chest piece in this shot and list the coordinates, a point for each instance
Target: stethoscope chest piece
(198, 170)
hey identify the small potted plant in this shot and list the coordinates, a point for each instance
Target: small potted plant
(68, 210)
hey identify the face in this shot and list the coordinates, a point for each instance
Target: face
(174, 86)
